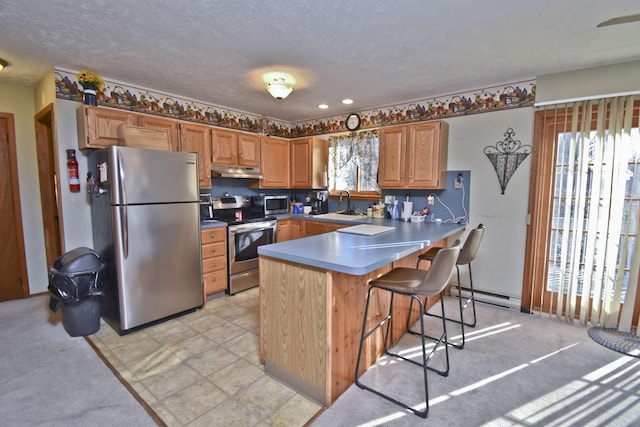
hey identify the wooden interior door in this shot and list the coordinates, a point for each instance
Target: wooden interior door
(13, 267)
(47, 176)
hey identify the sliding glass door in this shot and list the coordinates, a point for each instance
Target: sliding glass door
(581, 259)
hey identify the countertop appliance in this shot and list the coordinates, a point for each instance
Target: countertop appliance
(319, 201)
(270, 204)
(206, 207)
(146, 228)
(247, 230)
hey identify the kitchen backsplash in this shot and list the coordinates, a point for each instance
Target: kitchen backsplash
(449, 204)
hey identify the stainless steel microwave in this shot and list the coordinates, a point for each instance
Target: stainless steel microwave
(206, 207)
(270, 205)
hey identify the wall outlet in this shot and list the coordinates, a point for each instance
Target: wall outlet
(430, 200)
(457, 183)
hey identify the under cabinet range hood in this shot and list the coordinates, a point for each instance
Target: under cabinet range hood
(235, 172)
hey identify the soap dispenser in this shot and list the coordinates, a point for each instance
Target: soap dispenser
(394, 211)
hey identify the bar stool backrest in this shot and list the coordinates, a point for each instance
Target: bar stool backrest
(440, 271)
(471, 245)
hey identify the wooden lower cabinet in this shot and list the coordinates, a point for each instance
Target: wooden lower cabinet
(214, 259)
(289, 229)
(311, 323)
(283, 231)
(313, 228)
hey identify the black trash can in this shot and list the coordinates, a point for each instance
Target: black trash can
(75, 286)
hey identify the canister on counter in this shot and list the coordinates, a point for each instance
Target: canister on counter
(378, 210)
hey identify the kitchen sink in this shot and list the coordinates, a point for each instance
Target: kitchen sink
(338, 216)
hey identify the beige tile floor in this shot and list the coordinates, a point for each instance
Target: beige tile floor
(203, 368)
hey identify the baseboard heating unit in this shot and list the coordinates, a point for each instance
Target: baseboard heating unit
(505, 301)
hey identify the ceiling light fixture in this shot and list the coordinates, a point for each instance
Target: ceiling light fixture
(3, 64)
(279, 88)
(323, 106)
(347, 101)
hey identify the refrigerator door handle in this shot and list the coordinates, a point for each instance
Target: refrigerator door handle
(125, 232)
(121, 180)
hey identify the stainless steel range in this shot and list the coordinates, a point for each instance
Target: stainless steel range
(246, 231)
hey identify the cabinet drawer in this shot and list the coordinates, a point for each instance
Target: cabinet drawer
(215, 281)
(211, 235)
(214, 250)
(214, 264)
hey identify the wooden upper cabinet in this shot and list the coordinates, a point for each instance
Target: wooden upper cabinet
(274, 162)
(427, 149)
(391, 161)
(308, 163)
(224, 147)
(162, 123)
(233, 148)
(100, 127)
(248, 150)
(195, 138)
(414, 156)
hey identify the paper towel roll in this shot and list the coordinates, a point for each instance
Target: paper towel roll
(407, 209)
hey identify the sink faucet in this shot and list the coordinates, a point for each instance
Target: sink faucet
(348, 200)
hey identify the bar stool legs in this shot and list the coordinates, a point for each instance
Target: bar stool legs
(426, 358)
(467, 254)
(416, 284)
(462, 307)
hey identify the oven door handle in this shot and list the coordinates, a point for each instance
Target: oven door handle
(249, 229)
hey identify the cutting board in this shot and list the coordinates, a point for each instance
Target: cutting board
(366, 229)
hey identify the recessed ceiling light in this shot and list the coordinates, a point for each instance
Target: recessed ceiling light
(347, 101)
(323, 106)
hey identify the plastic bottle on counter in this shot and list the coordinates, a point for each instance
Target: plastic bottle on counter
(369, 212)
(394, 211)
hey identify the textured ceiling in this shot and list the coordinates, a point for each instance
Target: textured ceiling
(378, 52)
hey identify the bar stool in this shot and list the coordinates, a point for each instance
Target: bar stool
(416, 284)
(467, 254)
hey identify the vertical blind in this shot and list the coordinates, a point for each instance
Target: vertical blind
(592, 265)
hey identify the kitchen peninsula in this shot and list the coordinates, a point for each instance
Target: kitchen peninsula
(313, 292)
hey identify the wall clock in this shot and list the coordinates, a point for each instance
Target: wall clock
(353, 122)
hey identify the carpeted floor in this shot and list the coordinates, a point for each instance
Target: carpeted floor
(515, 370)
(51, 379)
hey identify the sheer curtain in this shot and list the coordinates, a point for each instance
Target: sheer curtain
(353, 161)
(591, 262)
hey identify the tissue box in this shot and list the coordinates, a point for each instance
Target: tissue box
(417, 218)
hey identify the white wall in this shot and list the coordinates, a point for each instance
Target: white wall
(76, 207)
(500, 264)
(19, 101)
(598, 82)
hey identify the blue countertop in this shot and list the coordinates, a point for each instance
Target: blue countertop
(357, 254)
(212, 224)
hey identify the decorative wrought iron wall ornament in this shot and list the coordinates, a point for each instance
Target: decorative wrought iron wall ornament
(506, 157)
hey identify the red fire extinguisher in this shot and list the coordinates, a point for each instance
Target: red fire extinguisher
(72, 168)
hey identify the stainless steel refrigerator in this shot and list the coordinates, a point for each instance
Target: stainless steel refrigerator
(146, 228)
